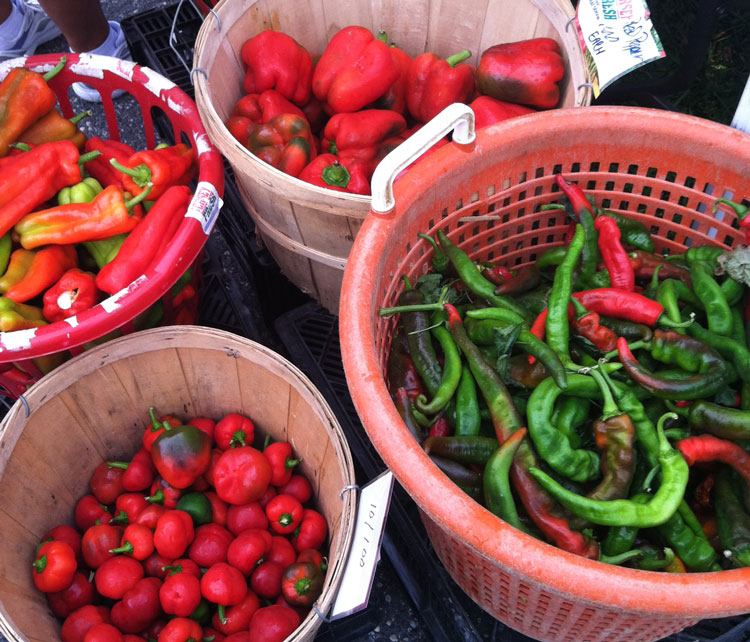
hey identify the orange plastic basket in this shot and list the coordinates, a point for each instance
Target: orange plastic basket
(661, 168)
(155, 96)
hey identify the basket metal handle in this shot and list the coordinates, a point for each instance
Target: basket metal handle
(458, 118)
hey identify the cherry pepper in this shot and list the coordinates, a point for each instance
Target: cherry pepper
(434, 84)
(54, 567)
(279, 456)
(181, 455)
(525, 72)
(161, 167)
(354, 70)
(72, 294)
(276, 61)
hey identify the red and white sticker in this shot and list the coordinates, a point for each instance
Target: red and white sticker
(205, 206)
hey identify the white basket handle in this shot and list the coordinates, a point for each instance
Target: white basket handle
(457, 117)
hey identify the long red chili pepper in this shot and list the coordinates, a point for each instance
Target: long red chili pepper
(705, 447)
(621, 273)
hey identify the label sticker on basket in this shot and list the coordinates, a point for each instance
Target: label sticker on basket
(617, 36)
(205, 206)
(359, 574)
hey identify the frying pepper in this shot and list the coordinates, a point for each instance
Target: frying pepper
(47, 266)
(525, 72)
(488, 111)
(433, 84)
(732, 520)
(284, 142)
(276, 61)
(691, 547)
(147, 238)
(733, 351)
(159, 168)
(624, 512)
(100, 167)
(108, 214)
(692, 355)
(723, 422)
(181, 455)
(583, 212)
(354, 70)
(707, 448)
(465, 450)
(52, 127)
(25, 97)
(31, 179)
(18, 265)
(326, 171)
(440, 262)
(498, 496)
(506, 420)
(633, 233)
(72, 294)
(468, 417)
(614, 433)
(83, 192)
(450, 377)
(702, 267)
(616, 260)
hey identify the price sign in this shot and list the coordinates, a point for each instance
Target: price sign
(616, 36)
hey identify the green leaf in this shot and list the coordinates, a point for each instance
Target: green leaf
(430, 285)
(736, 263)
(505, 336)
(503, 368)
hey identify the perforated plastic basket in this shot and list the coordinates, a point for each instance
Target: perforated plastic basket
(156, 97)
(661, 168)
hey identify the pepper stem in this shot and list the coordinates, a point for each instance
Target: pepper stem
(222, 614)
(22, 146)
(382, 36)
(673, 407)
(655, 278)
(156, 498)
(552, 206)
(579, 308)
(610, 407)
(741, 210)
(141, 174)
(85, 158)
(664, 445)
(79, 117)
(621, 558)
(666, 321)
(417, 307)
(118, 464)
(56, 69)
(40, 564)
(336, 175)
(407, 283)
(459, 57)
(129, 205)
(126, 548)
(636, 345)
(155, 423)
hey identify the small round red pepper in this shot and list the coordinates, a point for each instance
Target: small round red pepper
(234, 430)
(103, 633)
(281, 551)
(163, 493)
(284, 514)
(173, 534)
(181, 629)
(241, 475)
(97, 541)
(139, 606)
(273, 624)
(150, 515)
(244, 516)
(302, 583)
(117, 575)
(157, 427)
(80, 622)
(279, 456)
(67, 534)
(224, 585)
(137, 541)
(298, 486)
(204, 425)
(139, 472)
(106, 483)
(78, 594)
(312, 532)
(180, 594)
(181, 455)
(54, 567)
(219, 508)
(210, 545)
(237, 618)
(248, 549)
(266, 579)
(132, 504)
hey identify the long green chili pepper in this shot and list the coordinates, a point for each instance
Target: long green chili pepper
(590, 254)
(464, 450)
(632, 232)
(670, 292)
(720, 421)
(738, 327)
(422, 352)
(733, 351)
(624, 512)
(614, 433)
(617, 560)
(498, 496)
(468, 416)
(732, 520)
(506, 420)
(629, 330)
(473, 280)
(708, 290)
(553, 446)
(440, 262)
(551, 258)
(556, 325)
(450, 377)
(621, 538)
(569, 415)
(732, 290)
(694, 550)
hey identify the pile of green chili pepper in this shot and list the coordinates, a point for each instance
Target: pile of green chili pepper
(597, 399)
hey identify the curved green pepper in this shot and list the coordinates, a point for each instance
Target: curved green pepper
(468, 415)
(498, 496)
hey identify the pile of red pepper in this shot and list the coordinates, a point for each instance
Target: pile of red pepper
(200, 536)
(80, 218)
(330, 123)
(597, 398)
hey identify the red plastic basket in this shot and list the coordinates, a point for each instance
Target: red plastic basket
(661, 168)
(153, 94)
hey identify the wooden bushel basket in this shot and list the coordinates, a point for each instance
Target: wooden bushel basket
(94, 408)
(310, 230)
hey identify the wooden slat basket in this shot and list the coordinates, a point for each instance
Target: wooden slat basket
(310, 230)
(94, 408)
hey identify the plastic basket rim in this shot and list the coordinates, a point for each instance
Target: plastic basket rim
(169, 336)
(643, 593)
(123, 306)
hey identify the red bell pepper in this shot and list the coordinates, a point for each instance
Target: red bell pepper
(434, 84)
(223, 585)
(117, 575)
(276, 61)
(260, 108)
(326, 171)
(181, 455)
(395, 98)
(362, 131)
(233, 430)
(279, 456)
(355, 70)
(173, 534)
(54, 566)
(241, 475)
(148, 237)
(284, 142)
(525, 72)
(71, 295)
(180, 594)
(488, 111)
(279, 620)
(161, 168)
(100, 167)
(139, 606)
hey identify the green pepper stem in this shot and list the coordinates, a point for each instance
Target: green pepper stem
(610, 407)
(85, 158)
(40, 564)
(156, 498)
(382, 36)
(674, 408)
(579, 308)
(129, 205)
(56, 69)
(141, 173)
(419, 307)
(127, 548)
(22, 146)
(336, 175)
(79, 117)
(655, 278)
(666, 321)
(650, 477)
(741, 210)
(621, 558)
(222, 614)
(664, 445)
(118, 464)
(459, 57)
(552, 206)
(636, 345)
(407, 283)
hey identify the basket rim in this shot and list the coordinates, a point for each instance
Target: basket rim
(111, 313)
(233, 345)
(692, 595)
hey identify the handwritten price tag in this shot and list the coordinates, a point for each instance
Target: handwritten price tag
(616, 36)
(354, 591)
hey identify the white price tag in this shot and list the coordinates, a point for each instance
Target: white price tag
(205, 206)
(359, 574)
(617, 36)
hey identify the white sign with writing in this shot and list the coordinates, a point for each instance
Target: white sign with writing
(354, 591)
(617, 36)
